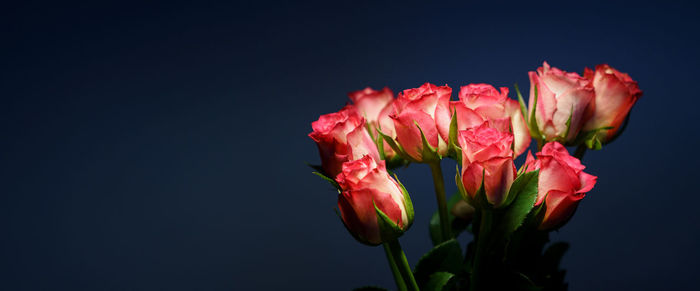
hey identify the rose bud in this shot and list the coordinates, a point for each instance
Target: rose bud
(341, 136)
(365, 183)
(615, 94)
(415, 116)
(561, 103)
(487, 156)
(376, 106)
(481, 102)
(561, 185)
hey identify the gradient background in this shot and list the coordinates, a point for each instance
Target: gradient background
(162, 147)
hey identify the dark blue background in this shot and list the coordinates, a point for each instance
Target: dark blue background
(162, 147)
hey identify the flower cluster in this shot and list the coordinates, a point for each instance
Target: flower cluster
(484, 131)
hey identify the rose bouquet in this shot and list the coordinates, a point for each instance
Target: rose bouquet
(509, 209)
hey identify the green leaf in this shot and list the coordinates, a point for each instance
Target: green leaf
(524, 201)
(520, 182)
(370, 288)
(523, 108)
(438, 281)
(445, 257)
(324, 177)
(458, 225)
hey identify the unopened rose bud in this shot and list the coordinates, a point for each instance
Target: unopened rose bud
(615, 94)
(341, 136)
(365, 183)
(561, 185)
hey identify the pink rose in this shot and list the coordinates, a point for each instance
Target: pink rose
(481, 102)
(341, 136)
(370, 102)
(417, 107)
(376, 106)
(561, 96)
(487, 156)
(365, 183)
(561, 180)
(615, 94)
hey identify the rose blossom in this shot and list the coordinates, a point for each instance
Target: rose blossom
(341, 136)
(417, 107)
(561, 180)
(615, 94)
(560, 96)
(487, 156)
(481, 102)
(365, 183)
(376, 106)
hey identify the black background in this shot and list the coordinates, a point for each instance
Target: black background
(162, 146)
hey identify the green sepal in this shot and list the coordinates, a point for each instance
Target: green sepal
(439, 281)
(445, 257)
(408, 204)
(396, 147)
(388, 230)
(324, 177)
(590, 138)
(457, 224)
(396, 162)
(594, 143)
(429, 153)
(525, 195)
(480, 198)
(532, 121)
(453, 144)
(523, 108)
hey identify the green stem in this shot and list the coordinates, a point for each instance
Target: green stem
(439, 183)
(404, 268)
(400, 284)
(540, 144)
(482, 248)
(580, 151)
